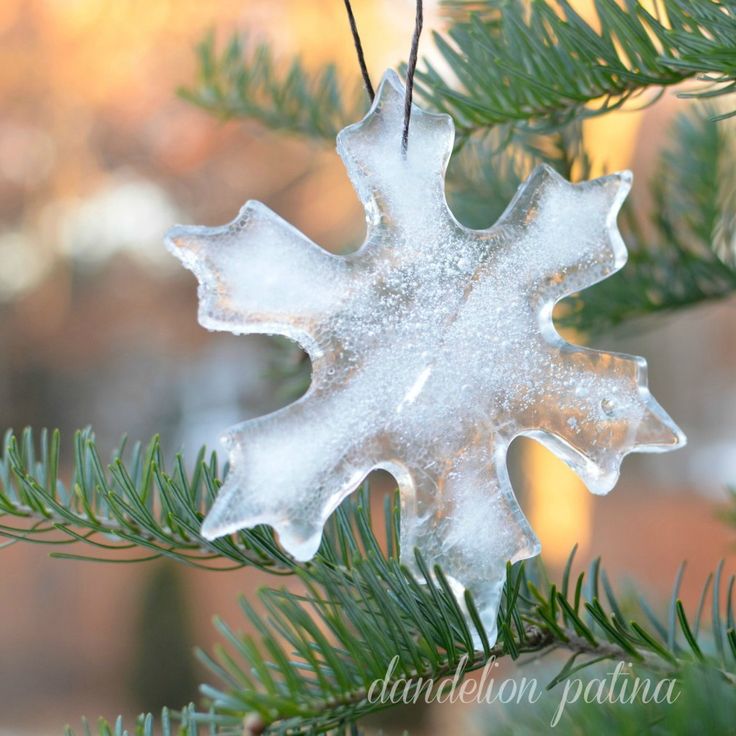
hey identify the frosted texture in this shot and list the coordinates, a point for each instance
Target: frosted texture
(432, 348)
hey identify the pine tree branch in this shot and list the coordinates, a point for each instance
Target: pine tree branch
(686, 255)
(182, 723)
(510, 62)
(244, 81)
(698, 696)
(314, 655)
(541, 62)
(317, 655)
(133, 504)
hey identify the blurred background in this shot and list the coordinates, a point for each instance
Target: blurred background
(98, 157)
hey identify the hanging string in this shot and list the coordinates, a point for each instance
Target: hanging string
(410, 69)
(359, 51)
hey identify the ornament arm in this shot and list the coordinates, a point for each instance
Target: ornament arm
(463, 516)
(564, 234)
(592, 408)
(260, 274)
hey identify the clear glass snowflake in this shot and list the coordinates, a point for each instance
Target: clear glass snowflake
(432, 348)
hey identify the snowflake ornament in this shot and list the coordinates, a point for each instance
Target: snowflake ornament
(432, 348)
